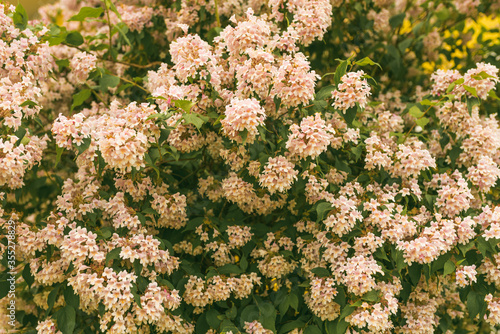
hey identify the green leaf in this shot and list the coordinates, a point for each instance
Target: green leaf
(262, 132)
(312, 330)
(123, 29)
(471, 103)
(66, 320)
(454, 153)
(422, 121)
(20, 17)
(346, 311)
(243, 263)
(341, 70)
(294, 301)
(331, 327)
(428, 102)
(482, 75)
(232, 312)
(397, 20)
(448, 268)
(108, 81)
(137, 298)
(212, 319)
(84, 145)
(244, 135)
(465, 248)
(229, 269)
(228, 326)
(20, 133)
(59, 151)
(71, 298)
(80, 97)
(493, 95)
(195, 119)
(367, 61)
(321, 272)
(349, 115)
(443, 14)
(87, 12)
(151, 164)
(405, 44)
(28, 103)
(322, 209)
(28, 277)
(112, 255)
(416, 112)
(342, 326)
(52, 298)
(473, 305)
(453, 84)
(110, 5)
(289, 326)
(74, 38)
(157, 116)
(471, 90)
(325, 93)
(184, 105)
(415, 271)
(249, 314)
(371, 296)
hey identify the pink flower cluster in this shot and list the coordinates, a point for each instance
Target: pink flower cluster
(136, 18)
(311, 138)
(243, 116)
(482, 79)
(200, 293)
(465, 275)
(352, 89)
(15, 161)
(122, 135)
(82, 64)
(321, 297)
(278, 175)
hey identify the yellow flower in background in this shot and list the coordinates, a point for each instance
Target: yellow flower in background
(483, 25)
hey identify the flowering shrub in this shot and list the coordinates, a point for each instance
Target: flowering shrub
(247, 167)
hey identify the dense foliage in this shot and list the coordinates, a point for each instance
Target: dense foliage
(300, 166)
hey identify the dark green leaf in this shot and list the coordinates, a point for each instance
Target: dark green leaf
(312, 330)
(20, 17)
(229, 269)
(71, 298)
(80, 97)
(59, 151)
(108, 81)
(371, 296)
(195, 119)
(473, 304)
(28, 277)
(340, 71)
(322, 209)
(349, 115)
(321, 272)
(66, 320)
(74, 38)
(397, 20)
(112, 255)
(52, 298)
(84, 145)
(325, 93)
(448, 268)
